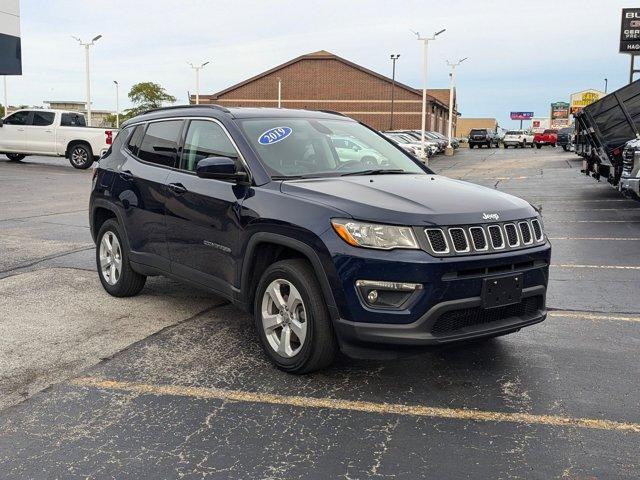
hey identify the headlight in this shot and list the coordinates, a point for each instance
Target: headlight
(371, 235)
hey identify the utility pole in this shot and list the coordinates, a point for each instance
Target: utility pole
(606, 81)
(86, 46)
(279, 92)
(394, 57)
(449, 149)
(197, 68)
(117, 104)
(425, 48)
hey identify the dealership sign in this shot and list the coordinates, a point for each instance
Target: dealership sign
(580, 100)
(10, 49)
(630, 31)
(521, 115)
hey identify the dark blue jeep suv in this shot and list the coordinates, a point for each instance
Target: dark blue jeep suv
(330, 235)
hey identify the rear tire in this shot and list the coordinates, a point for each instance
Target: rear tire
(538, 146)
(289, 304)
(80, 156)
(565, 148)
(15, 157)
(112, 260)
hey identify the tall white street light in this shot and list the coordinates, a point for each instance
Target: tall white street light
(117, 104)
(425, 47)
(197, 68)
(452, 76)
(86, 46)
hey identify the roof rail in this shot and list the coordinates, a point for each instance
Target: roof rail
(173, 107)
(333, 112)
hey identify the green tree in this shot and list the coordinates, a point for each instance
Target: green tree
(145, 96)
(2, 111)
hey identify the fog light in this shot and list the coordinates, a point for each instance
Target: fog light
(390, 295)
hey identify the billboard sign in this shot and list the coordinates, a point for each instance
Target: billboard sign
(10, 48)
(521, 115)
(559, 110)
(630, 31)
(579, 100)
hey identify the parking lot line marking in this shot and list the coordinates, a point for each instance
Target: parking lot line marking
(613, 267)
(355, 405)
(615, 239)
(591, 316)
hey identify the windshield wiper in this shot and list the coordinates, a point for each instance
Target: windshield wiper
(374, 171)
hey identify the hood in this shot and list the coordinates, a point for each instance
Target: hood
(410, 199)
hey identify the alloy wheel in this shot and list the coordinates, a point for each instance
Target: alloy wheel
(79, 156)
(110, 258)
(284, 318)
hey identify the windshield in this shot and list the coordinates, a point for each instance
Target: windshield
(307, 148)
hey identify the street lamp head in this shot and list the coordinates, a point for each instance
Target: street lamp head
(462, 60)
(205, 63)
(395, 56)
(438, 33)
(96, 38)
(116, 82)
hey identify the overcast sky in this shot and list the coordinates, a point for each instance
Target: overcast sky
(523, 55)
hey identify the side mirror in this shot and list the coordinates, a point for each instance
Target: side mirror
(220, 168)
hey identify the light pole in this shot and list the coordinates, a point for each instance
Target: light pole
(6, 104)
(394, 57)
(279, 92)
(197, 68)
(606, 81)
(86, 46)
(449, 150)
(117, 104)
(425, 47)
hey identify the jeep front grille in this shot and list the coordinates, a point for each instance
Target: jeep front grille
(437, 242)
(477, 239)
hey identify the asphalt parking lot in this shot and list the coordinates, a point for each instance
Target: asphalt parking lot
(172, 383)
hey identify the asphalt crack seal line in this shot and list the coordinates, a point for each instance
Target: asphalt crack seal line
(358, 406)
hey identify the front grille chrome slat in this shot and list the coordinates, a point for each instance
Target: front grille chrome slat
(483, 238)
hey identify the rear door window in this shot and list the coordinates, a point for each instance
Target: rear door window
(160, 143)
(42, 119)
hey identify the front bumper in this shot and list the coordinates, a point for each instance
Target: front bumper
(449, 285)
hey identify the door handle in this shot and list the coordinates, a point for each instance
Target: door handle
(126, 175)
(48, 131)
(21, 129)
(177, 188)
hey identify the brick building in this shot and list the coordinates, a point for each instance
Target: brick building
(324, 81)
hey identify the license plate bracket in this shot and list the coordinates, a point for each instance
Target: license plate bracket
(501, 291)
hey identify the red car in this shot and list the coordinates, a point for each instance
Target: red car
(548, 137)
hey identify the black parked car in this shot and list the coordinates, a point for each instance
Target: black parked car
(482, 136)
(565, 138)
(326, 252)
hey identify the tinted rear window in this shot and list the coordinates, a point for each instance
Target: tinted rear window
(42, 119)
(478, 132)
(160, 143)
(136, 139)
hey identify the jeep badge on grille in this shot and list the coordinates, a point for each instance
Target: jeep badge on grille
(490, 216)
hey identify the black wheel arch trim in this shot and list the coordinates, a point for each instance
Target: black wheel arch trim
(305, 249)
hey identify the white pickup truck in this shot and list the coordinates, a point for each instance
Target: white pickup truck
(517, 138)
(57, 133)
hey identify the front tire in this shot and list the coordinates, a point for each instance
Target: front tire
(15, 157)
(80, 156)
(292, 320)
(112, 260)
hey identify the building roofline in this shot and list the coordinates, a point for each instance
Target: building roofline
(322, 54)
